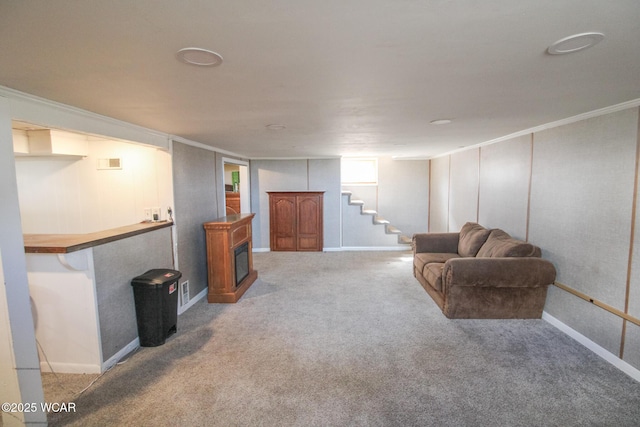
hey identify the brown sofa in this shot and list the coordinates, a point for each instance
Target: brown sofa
(480, 273)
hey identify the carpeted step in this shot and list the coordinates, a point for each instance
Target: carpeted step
(390, 229)
(379, 220)
(405, 240)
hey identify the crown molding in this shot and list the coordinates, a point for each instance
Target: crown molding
(196, 144)
(298, 158)
(573, 119)
(48, 113)
(93, 124)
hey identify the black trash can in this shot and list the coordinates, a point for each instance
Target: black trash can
(156, 298)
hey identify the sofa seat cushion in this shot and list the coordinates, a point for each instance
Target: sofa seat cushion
(420, 260)
(433, 274)
(500, 244)
(472, 237)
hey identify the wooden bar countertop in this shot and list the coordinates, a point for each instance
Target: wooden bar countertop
(65, 243)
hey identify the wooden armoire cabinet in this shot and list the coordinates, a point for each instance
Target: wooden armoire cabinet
(295, 220)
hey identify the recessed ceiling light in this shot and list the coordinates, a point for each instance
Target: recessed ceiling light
(275, 127)
(575, 43)
(440, 122)
(198, 56)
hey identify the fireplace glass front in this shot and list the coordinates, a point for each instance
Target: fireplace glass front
(242, 262)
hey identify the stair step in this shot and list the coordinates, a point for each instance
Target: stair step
(379, 220)
(393, 230)
(405, 240)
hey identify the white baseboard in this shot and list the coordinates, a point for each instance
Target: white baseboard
(376, 248)
(192, 301)
(597, 349)
(69, 368)
(127, 349)
(108, 364)
(353, 248)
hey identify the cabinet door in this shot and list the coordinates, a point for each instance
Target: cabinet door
(309, 223)
(283, 223)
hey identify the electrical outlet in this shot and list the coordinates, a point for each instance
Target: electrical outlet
(155, 214)
(147, 214)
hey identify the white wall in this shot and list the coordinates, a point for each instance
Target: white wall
(63, 303)
(20, 371)
(70, 195)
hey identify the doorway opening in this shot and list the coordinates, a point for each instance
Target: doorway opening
(236, 186)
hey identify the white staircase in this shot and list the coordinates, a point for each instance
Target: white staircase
(360, 226)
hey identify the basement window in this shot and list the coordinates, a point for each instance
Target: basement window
(359, 171)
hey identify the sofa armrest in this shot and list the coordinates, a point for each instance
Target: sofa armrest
(527, 272)
(435, 242)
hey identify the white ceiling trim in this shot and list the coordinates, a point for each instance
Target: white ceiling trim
(301, 158)
(43, 112)
(584, 116)
(196, 144)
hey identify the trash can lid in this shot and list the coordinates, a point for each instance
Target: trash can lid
(157, 276)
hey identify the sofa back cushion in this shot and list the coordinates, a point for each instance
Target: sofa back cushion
(472, 237)
(501, 244)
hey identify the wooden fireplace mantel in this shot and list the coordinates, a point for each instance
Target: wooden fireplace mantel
(223, 236)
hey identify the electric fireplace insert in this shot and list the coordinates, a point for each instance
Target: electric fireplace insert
(242, 262)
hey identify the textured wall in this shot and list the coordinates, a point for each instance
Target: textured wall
(463, 193)
(401, 196)
(439, 195)
(581, 207)
(272, 175)
(569, 190)
(194, 184)
(324, 175)
(367, 193)
(296, 175)
(632, 336)
(504, 185)
(359, 232)
(115, 264)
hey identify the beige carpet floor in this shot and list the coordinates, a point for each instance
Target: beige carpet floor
(349, 339)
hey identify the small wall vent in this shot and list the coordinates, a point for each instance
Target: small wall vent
(184, 291)
(109, 164)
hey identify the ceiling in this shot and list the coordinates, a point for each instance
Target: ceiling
(347, 77)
